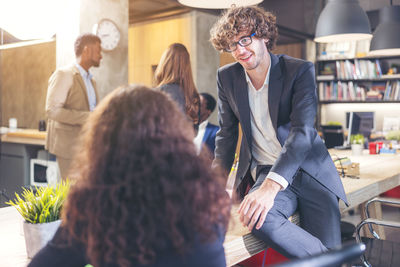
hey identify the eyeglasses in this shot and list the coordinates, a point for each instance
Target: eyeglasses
(243, 42)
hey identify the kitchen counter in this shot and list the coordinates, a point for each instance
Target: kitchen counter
(25, 136)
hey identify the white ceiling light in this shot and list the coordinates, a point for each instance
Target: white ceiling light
(218, 4)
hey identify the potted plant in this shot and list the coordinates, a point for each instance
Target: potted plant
(357, 144)
(40, 208)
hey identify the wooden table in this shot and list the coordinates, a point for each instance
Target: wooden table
(25, 136)
(12, 241)
(378, 173)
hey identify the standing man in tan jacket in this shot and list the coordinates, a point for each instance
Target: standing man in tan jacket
(71, 95)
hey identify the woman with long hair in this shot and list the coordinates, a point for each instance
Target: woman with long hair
(174, 76)
(142, 196)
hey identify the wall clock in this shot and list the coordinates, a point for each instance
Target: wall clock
(109, 34)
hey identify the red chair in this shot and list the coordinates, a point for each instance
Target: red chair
(257, 260)
(395, 192)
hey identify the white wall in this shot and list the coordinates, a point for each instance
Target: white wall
(337, 112)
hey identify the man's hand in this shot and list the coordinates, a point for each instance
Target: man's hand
(256, 205)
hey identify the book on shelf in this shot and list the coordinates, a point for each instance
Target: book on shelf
(342, 91)
(353, 91)
(357, 69)
(373, 95)
(392, 91)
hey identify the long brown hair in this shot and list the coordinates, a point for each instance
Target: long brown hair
(174, 67)
(140, 188)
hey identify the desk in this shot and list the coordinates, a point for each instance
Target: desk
(12, 242)
(25, 136)
(17, 149)
(378, 173)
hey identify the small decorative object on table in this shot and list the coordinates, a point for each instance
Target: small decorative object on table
(40, 208)
(357, 144)
(345, 167)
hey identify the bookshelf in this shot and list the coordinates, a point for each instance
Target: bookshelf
(359, 80)
(349, 79)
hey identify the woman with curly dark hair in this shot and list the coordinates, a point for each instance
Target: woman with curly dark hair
(174, 76)
(142, 196)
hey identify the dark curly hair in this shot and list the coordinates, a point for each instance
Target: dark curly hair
(140, 188)
(240, 19)
(83, 40)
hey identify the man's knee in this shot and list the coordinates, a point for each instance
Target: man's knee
(271, 227)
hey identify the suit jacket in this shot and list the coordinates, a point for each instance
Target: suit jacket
(67, 108)
(209, 136)
(292, 103)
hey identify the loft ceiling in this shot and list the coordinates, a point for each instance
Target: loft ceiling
(143, 10)
(296, 18)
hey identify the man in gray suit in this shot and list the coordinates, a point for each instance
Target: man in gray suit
(282, 159)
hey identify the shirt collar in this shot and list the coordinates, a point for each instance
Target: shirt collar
(203, 124)
(83, 72)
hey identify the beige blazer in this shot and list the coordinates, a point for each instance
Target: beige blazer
(67, 108)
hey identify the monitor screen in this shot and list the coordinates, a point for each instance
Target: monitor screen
(361, 123)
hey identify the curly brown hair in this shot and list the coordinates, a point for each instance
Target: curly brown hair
(174, 67)
(140, 188)
(244, 19)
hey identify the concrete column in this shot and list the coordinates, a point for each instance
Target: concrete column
(77, 17)
(205, 59)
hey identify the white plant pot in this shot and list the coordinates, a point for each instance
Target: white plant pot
(37, 235)
(357, 149)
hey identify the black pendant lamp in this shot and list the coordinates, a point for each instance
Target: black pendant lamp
(386, 39)
(342, 20)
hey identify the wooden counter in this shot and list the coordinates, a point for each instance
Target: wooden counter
(25, 136)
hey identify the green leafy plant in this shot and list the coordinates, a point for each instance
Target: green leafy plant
(41, 205)
(357, 139)
(393, 135)
(332, 123)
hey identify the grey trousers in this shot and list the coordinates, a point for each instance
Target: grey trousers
(319, 228)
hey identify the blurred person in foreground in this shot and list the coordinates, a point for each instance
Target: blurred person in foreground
(283, 164)
(142, 196)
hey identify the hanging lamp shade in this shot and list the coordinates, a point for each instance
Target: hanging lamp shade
(386, 39)
(342, 20)
(218, 4)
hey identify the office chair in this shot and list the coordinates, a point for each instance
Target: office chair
(332, 258)
(379, 252)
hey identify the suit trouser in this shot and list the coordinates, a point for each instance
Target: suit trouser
(319, 219)
(64, 165)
